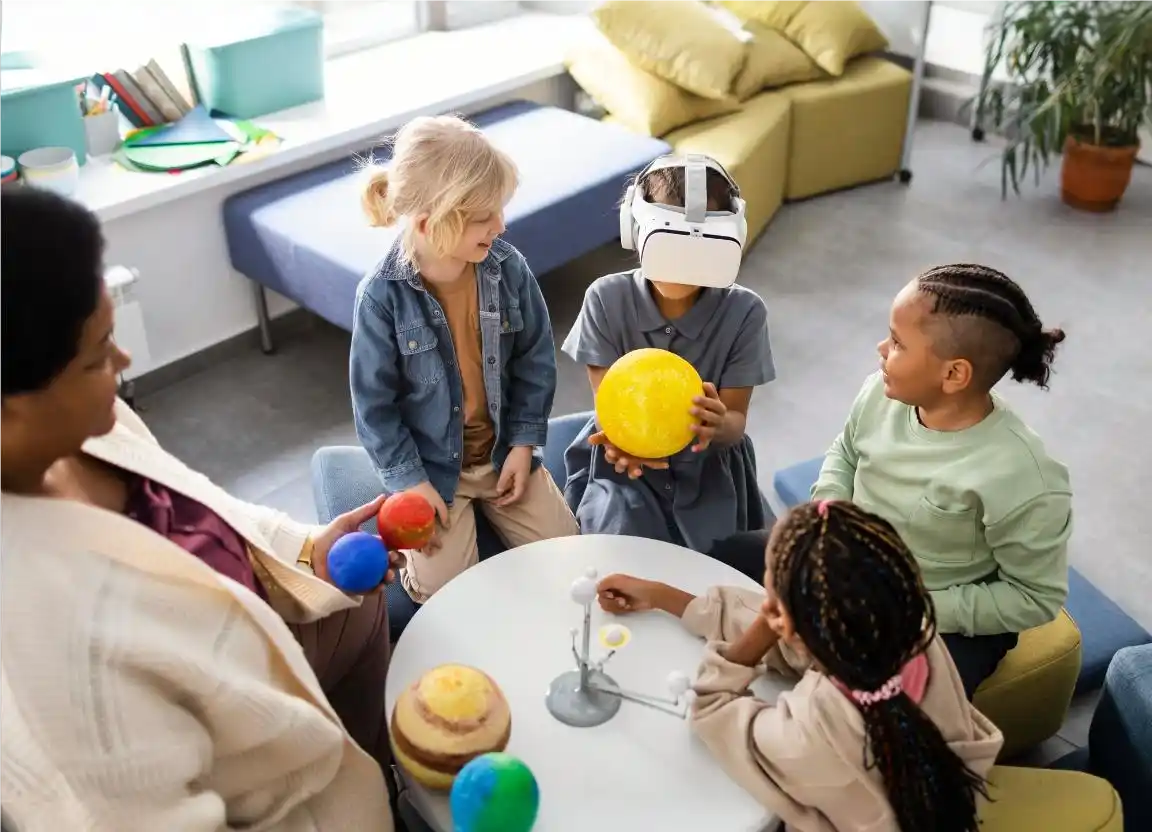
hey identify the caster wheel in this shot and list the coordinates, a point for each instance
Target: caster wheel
(905, 177)
(977, 134)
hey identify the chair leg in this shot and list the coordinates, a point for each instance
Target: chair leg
(262, 317)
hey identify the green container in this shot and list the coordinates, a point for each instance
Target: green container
(266, 63)
(39, 110)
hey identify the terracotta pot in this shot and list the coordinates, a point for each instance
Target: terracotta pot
(1094, 178)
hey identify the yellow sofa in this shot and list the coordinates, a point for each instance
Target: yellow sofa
(807, 139)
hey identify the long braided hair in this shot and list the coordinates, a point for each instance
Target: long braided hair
(857, 602)
(1018, 343)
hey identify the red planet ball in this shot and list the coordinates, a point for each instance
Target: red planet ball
(406, 521)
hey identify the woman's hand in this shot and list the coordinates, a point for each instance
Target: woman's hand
(624, 463)
(709, 411)
(620, 593)
(514, 474)
(346, 524)
(429, 493)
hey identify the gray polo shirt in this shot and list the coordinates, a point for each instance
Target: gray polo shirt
(703, 497)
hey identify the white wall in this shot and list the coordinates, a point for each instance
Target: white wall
(190, 296)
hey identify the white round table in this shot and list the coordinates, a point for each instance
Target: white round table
(510, 616)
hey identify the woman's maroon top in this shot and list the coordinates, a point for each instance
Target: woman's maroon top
(193, 527)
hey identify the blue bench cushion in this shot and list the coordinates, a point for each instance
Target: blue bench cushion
(1104, 627)
(305, 237)
(794, 484)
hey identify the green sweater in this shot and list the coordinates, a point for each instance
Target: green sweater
(985, 510)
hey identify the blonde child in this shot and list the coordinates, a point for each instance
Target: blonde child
(877, 734)
(453, 367)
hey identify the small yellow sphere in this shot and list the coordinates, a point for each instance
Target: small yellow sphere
(450, 716)
(644, 403)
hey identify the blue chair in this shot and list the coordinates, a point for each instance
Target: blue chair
(1104, 627)
(343, 478)
(1120, 736)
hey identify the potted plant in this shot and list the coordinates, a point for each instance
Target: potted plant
(1079, 81)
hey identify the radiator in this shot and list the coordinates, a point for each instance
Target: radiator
(129, 330)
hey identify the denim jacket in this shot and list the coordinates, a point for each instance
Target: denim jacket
(407, 397)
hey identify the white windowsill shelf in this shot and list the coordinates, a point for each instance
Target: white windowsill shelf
(368, 93)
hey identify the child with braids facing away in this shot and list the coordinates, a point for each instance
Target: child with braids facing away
(972, 491)
(877, 734)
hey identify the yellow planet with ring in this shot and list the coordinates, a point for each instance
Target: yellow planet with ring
(644, 403)
(448, 717)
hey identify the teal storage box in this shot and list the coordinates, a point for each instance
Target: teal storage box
(40, 111)
(264, 63)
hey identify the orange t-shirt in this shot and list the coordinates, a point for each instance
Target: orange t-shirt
(461, 305)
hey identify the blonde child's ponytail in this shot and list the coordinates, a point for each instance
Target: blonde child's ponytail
(375, 199)
(444, 168)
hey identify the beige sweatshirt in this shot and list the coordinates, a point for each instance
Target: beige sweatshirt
(803, 758)
(142, 690)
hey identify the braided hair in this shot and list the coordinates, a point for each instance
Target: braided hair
(857, 602)
(991, 322)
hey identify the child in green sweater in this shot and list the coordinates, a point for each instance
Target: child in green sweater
(969, 487)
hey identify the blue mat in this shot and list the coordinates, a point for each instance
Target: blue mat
(1104, 627)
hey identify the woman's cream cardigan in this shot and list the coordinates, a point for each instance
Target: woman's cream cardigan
(144, 691)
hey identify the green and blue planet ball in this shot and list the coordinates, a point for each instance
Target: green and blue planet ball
(495, 792)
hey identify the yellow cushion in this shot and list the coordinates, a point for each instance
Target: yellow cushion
(1028, 695)
(832, 32)
(848, 130)
(772, 61)
(752, 145)
(641, 101)
(681, 42)
(1054, 801)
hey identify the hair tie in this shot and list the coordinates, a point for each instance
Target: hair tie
(822, 508)
(892, 687)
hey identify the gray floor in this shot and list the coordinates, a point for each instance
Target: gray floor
(828, 269)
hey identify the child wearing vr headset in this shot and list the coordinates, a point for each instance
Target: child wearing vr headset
(453, 365)
(685, 218)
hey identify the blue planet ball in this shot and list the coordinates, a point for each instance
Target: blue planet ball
(357, 562)
(494, 793)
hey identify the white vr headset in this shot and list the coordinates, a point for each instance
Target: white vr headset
(689, 245)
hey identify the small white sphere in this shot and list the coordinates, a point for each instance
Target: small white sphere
(614, 635)
(678, 683)
(583, 591)
(689, 696)
(590, 572)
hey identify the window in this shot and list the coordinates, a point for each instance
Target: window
(350, 25)
(460, 14)
(91, 36)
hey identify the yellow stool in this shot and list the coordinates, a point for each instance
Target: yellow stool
(1048, 800)
(847, 130)
(1029, 694)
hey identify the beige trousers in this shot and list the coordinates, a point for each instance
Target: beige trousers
(540, 514)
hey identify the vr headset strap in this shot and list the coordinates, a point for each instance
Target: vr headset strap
(695, 189)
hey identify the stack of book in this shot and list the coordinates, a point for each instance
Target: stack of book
(149, 96)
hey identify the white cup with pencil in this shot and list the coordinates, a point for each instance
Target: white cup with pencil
(101, 120)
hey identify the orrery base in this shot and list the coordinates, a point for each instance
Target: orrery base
(582, 708)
